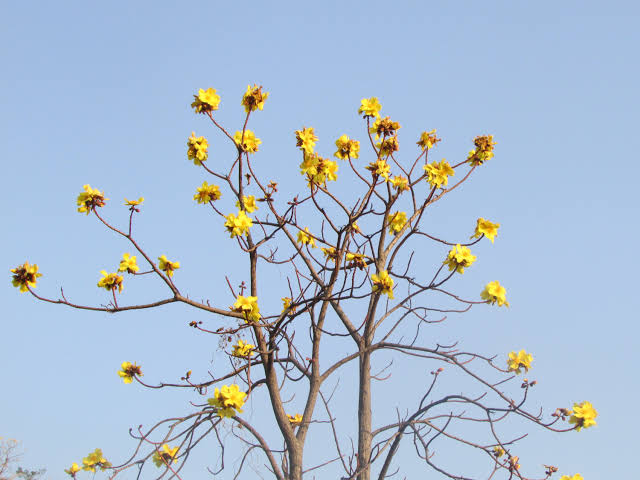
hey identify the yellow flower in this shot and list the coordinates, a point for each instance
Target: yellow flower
(498, 451)
(400, 183)
(95, 460)
(90, 199)
(248, 306)
(583, 415)
(513, 463)
(206, 101)
(167, 266)
(438, 173)
(295, 419)
(238, 225)
(73, 469)
(577, 476)
(25, 276)
(197, 149)
(242, 349)
(428, 139)
(396, 222)
(249, 144)
(254, 98)
(329, 253)
(383, 283)
(128, 371)
(519, 360)
(357, 260)
(459, 258)
(483, 151)
(228, 399)
(286, 303)
(384, 127)
(133, 203)
(370, 107)
(166, 456)
(494, 293)
(305, 238)
(486, 228)
(306, 139)
(110, 281)
(249, 204)
(207, 193)
(347, 148)
(388, 146)
(379, 167)
(317, 169)
(128, 264)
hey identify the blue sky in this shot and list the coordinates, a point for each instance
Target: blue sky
(99, 93)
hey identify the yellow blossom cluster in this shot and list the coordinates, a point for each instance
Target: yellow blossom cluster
(494, 293)
(248, 143)
(128, 371)
(347, 148)
(207, 193)
(25, 276)
(165, 456)
(295, 419)
(396, 222)
(90, 199)
(518, 361)
(384, 127)
(370, 107)
(329, 253)
(249, 203)
(167, 266)
(306, 139)
(95, 460)
(238, 225)
(254, 98)
(242, 349)
(110, 281)
(428, 140)
(356, 260)
(197, 149)
(318, 170)
(305, 238)
(483, 151)
(382, 283)
(577, 476)
(459, 258)
(206, 100)
(248, 306)
(387, 146)
(128, 264)
(228, 400)
(498, 451)
(379, 168)
(438, 173)
(286, 303)
(486, 228)
(583, 415)
(400, 183)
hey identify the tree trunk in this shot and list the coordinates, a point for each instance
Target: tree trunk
(364, 418)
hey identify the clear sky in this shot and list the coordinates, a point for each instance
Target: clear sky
(99, 93)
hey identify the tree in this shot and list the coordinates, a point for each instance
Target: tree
(10, 454)
(350, 256)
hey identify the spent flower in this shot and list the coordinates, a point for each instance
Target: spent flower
(254, 98)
